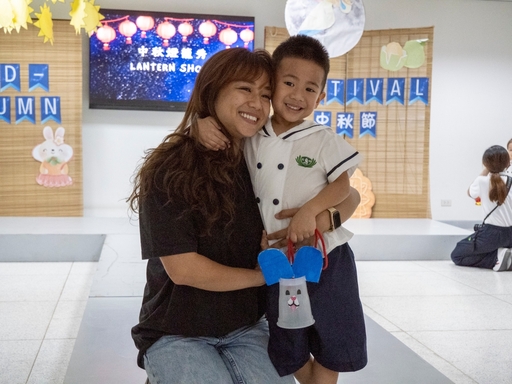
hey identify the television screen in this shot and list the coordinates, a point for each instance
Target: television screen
(149, 60)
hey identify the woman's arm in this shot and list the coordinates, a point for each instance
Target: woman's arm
(198, 271)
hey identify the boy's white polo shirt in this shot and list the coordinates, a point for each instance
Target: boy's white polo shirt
(290, 169)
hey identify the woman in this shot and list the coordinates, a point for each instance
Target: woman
(490, 247)
(201, 316)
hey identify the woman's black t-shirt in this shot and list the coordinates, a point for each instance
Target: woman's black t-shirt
(169, 309)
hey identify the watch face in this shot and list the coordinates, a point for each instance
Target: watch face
(336, 219)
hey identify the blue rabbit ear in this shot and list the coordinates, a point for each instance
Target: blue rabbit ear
(274, 265)
(308, 262)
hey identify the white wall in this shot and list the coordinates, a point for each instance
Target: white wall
(470, 95)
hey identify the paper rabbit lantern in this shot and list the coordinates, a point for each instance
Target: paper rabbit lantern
(294, 304)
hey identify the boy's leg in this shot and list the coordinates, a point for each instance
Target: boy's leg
(314, 373)
(338, 337)
(288, 349)
(305, 374)
(245, 354)
(177, 360)
(323, 375)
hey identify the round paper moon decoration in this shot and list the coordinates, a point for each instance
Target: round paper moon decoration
(337, 24)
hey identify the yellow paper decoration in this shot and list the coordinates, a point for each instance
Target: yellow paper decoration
(92, 18)
(45, 23)
(21, 12)
(6, 16)
(15, 14)
(77, 15)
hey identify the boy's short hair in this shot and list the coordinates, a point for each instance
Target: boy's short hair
(303, 47)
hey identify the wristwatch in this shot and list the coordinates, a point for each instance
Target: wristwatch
(334, 215)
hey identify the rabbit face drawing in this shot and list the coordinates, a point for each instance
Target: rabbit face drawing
(294, 304)
(293, 297)
(54, 156)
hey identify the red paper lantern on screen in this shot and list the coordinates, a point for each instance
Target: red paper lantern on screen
(106, 34)
(185, 29)
(207, 29)
(145, 23)
(247, 36)
(228, 37)
(128, 28)
(166, 30)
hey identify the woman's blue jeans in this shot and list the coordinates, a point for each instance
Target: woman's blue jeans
(240, 357)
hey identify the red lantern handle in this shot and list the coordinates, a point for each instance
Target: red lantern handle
(318, 237)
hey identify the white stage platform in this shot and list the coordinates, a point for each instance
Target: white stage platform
(403, 239)
(374, 239)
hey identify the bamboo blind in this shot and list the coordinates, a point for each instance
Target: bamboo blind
(397, 159)
(20, 195)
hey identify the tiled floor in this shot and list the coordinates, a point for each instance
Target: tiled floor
(41, 306)
(457, 319)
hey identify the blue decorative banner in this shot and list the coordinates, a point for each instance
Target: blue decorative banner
(335, 91)
(419, 90)
(396, 90)
(5, 109)
(375, 90)
(322, 117)
(50, 109)
(368, 124)
(355, 90)
(25, 109)
(9, 76)
(345, 124)
(38, 76)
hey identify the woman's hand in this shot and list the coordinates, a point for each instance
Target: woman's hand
(264, 241)
(209, 134)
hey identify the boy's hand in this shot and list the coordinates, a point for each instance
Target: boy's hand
(281, 235)
(210, 135)
(302, 226)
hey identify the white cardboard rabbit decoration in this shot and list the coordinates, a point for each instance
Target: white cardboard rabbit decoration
(54, 156)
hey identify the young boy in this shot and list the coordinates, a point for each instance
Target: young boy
(290, 161)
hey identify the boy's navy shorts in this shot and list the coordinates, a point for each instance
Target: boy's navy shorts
(337, 339)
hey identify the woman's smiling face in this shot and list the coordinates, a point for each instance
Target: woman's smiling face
(242, 107)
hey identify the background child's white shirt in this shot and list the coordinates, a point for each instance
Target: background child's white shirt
(280, 182)
(502, 216)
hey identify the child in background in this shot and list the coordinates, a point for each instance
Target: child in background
(491, 246)
(294, 162)
(509, 149)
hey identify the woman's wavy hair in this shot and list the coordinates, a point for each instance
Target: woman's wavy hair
(184, 169)
(496, 160)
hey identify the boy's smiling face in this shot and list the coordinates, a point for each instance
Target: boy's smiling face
(299, 89)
